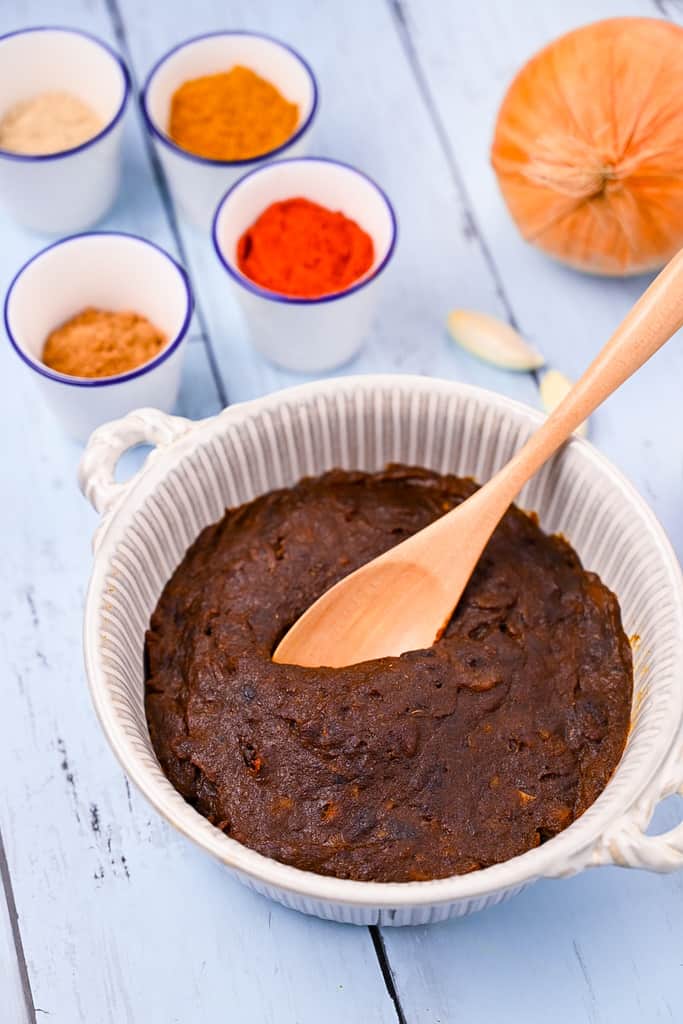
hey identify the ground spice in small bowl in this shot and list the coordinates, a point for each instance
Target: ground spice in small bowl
(232, 115)
(48, 123)
(299, 248)
(99, 343)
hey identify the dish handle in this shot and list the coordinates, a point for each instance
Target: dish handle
(626, 843)
(108, 443)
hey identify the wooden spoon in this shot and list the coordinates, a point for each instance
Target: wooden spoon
(403, 600)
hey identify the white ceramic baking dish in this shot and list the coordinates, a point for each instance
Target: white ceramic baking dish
(364, 422)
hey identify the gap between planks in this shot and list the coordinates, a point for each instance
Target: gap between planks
(387, 973)
(13, 918)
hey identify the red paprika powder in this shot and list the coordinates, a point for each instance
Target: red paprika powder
(299, 248)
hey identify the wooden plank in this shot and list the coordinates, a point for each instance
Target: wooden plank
(122, 921)
(603, 947)
(367, 95)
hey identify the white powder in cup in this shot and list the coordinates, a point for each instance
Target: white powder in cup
(48, 123)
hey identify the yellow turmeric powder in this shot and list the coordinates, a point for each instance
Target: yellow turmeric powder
(232, 115)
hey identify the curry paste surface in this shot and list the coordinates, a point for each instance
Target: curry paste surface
(439, 762)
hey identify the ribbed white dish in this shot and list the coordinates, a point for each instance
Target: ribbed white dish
(200, 468)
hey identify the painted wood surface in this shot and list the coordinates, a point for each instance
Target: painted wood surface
(118, 918)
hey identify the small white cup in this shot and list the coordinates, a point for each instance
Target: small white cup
(67, 191)
(196, 182)
(307, 335)
(112, 271)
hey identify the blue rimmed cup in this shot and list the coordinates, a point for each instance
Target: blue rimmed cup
(197, 183)
(307, 335)
(67, 191)
(110, 271)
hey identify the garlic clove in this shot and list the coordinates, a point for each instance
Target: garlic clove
(492, 340)
(554, 386)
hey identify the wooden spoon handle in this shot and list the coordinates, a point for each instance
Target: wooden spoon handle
(657, 315)
(450, 547)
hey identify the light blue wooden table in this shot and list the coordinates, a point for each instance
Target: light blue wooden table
(108, 916)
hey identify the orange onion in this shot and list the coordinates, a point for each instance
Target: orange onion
(588, 146)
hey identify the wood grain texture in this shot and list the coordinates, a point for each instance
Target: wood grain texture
(121, 920)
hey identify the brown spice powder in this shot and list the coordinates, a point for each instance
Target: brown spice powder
(99, 343)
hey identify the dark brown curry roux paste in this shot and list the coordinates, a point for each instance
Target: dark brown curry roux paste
(439, 762)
